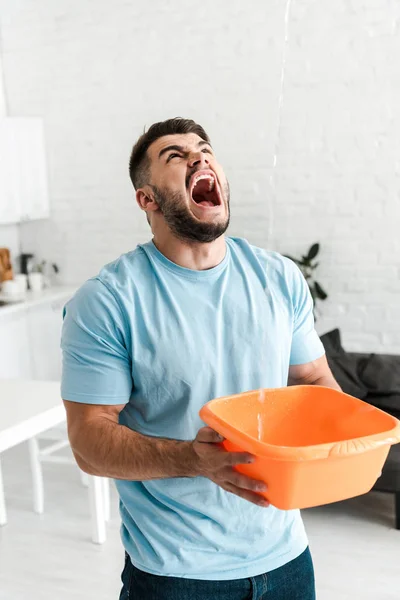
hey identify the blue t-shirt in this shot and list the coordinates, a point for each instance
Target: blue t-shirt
(165, 340)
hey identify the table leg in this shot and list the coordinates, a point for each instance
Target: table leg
(37, 476)
(3, 512)
(96, 503)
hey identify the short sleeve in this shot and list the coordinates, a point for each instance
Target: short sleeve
(306, 345)
(96, 363)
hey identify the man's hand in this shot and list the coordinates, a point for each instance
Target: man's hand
(217, 464)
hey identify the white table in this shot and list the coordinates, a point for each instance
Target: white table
(27, 409)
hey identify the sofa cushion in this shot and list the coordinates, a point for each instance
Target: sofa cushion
(343, 365)
(388, 402)
(380, 373)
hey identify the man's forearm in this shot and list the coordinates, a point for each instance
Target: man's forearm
(105, 448)
(328, 381)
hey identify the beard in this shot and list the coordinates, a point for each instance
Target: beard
(182, 223)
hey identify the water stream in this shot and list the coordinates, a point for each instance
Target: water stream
(272, 178)
(260, 430)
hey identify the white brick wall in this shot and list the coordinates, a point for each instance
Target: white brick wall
(99, 71)
(338, 173)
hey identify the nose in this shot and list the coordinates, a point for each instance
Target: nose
(198, 159)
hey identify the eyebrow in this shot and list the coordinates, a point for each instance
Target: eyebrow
(181, 148)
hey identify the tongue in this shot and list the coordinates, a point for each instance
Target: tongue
(205, 203)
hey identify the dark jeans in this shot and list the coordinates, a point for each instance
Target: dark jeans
(293, 581)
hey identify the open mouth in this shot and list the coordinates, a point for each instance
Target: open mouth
(204, 189)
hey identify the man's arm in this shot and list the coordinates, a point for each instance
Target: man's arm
(103, 447)
(316, 372)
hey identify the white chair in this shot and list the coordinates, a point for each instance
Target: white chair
(28, 411)
(98, 487)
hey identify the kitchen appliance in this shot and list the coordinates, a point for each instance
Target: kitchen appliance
(26, 263)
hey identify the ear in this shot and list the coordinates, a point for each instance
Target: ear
(145, 199)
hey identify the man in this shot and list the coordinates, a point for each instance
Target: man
(190, 316)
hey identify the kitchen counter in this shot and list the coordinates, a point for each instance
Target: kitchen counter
(31, 299)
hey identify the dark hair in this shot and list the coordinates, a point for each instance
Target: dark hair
(139, 162)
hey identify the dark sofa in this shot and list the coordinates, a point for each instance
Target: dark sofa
(374, 378)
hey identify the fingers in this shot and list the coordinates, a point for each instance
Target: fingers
(239, 458)
(208, 435)
(247, 483)
(246, 495)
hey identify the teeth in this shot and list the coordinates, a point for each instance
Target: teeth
(206, 176)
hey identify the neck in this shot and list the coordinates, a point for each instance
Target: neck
(191, 255)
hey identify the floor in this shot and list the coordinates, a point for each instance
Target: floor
(356, 550)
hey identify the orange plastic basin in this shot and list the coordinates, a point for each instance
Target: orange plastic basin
(314, 445)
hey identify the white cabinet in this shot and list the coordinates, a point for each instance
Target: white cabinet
(23, 171)
(9, 205)
(15, 355)
(44, 324)
(31, 166)
(30, 338)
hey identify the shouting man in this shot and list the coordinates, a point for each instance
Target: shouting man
(189, 316)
